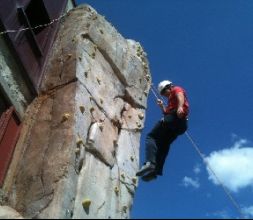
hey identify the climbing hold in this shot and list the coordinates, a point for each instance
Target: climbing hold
(82, 108)
(134, 179)
(80, 58)
(124, 208)
(92, 109)
(145, 93)
(101, 31)
(95, 17)
(101, 120)
(138, 124)
(93, 55)
(79, 142)
(65, 117)
(86, 74)
(139, 48)
(148, 78)
(123, 176)
(141, 116)
(132, 158)
(145, 65)
(129, 116)
(101, 126)
(99, 81)
(86, 203)
(69, 55)
(116, 190)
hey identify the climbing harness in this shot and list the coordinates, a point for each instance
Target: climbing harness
(228, 194)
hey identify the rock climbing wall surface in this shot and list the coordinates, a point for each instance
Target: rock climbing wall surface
(81, 136)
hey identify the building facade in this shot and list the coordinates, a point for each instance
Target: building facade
(23, 55)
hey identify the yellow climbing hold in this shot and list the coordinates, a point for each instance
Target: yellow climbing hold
(134, 179)
(141, 116)
(65, 117)
(86, 203)
(116, 190)
(79, 142)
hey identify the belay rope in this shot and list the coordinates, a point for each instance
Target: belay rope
(228, 194)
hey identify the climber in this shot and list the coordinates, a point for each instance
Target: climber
(173, 124)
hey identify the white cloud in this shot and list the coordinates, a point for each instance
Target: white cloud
(233, 166)
(248, 212)
(188, 181)
(223, 214)
(197, 169)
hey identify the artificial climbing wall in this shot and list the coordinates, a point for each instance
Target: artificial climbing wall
(79, 147)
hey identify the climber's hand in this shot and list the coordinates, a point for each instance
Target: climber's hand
(160, 102)
(180, 112)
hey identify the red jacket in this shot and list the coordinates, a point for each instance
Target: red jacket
(173, 101)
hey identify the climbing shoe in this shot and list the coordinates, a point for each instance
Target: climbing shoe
(152, 175)
(147, 167)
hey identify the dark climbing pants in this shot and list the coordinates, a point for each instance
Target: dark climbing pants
(160, 138)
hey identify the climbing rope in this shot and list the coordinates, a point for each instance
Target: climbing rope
(228, 194)
(236, 205)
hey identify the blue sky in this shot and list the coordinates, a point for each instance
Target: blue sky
(207, 48)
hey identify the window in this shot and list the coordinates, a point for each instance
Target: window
(33, 15)
(37, 15)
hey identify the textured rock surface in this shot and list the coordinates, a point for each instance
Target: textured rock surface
(81, 136)
(9, 213)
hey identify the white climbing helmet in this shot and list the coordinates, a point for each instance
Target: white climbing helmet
(163, 84)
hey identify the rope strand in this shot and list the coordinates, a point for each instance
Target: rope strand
(235, 204)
